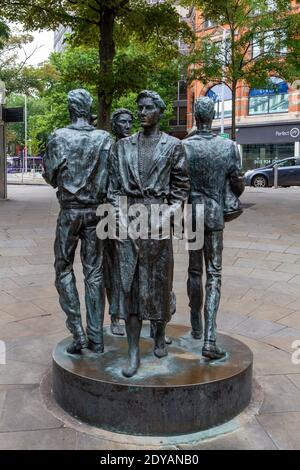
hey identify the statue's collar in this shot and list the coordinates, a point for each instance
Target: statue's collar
(204, 133)
(163, 138)
(87, 127)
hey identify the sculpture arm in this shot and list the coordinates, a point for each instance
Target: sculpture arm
(236, 179)
(179, 181)
(53, 159)
(113, 176)
(105, 157)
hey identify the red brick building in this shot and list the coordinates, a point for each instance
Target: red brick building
(268, 122)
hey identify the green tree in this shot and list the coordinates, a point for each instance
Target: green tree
(13, 71)
(76, 67)
(37, 134)
(4, 34)
(108, 24)
(263, 26)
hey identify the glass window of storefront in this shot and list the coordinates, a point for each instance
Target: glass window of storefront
(272, 100)
(216, 94)
(259, 155)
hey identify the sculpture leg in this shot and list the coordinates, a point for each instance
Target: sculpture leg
(133, 329)
(67, 236)
(195, 291)
(213, 248)
(92, 262)
(153, 333)
(115, 326)
(168, 339)
(111, 273)
(160, 348)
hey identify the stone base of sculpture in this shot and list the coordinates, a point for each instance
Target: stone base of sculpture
(179, 394)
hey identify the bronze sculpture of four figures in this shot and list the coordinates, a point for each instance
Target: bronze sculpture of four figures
(149, 168)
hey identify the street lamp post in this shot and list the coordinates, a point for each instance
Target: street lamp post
(223, 80)
(25, 132)
(181, 80)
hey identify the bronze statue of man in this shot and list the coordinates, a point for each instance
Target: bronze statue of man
(121, 126)
(213, 164)
(148, 168)
(76, 164)
(121, 123)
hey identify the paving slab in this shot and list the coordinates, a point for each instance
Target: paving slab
(254, 328)
(295, 378)
(260, 305)
(21, 372)
(280, 394)
(24, 410)
(50, 439)
(252, 436)
(283, 429)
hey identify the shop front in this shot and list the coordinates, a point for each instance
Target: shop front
(262, 144)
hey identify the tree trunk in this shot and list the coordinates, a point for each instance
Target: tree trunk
(107, 53)
(233, 81)
(233, 118)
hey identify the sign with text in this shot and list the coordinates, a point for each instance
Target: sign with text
(274, 133)
(13, 114)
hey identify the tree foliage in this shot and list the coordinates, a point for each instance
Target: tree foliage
(108, 25)
(13, 71)
(265, 25)
(76, 67)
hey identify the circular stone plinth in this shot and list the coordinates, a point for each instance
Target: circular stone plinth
(179, 394)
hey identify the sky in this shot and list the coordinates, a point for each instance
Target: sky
(43, 40)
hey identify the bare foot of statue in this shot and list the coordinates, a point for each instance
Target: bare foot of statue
(115, 327)
(132, 365)
(211, 351)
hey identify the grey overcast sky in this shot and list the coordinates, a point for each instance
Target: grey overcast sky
(43, 40)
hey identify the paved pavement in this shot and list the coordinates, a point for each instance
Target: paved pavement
(260, 305)
(32, 177)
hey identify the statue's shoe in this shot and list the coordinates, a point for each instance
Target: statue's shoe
(160, 352)
(212, 351)
(96, 347)
(197, 334)
(117, 329)
(75, 347)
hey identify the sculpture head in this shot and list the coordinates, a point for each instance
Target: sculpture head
(150, 108)
(204, 110)
(80, 104)
(121, 123)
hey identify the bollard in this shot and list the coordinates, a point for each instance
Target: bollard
(275, 176)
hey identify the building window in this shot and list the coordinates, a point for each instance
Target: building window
(269, 100)
(208, 24)
(216, 94)
(269, 42)
(179, 117)
(260, 155)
